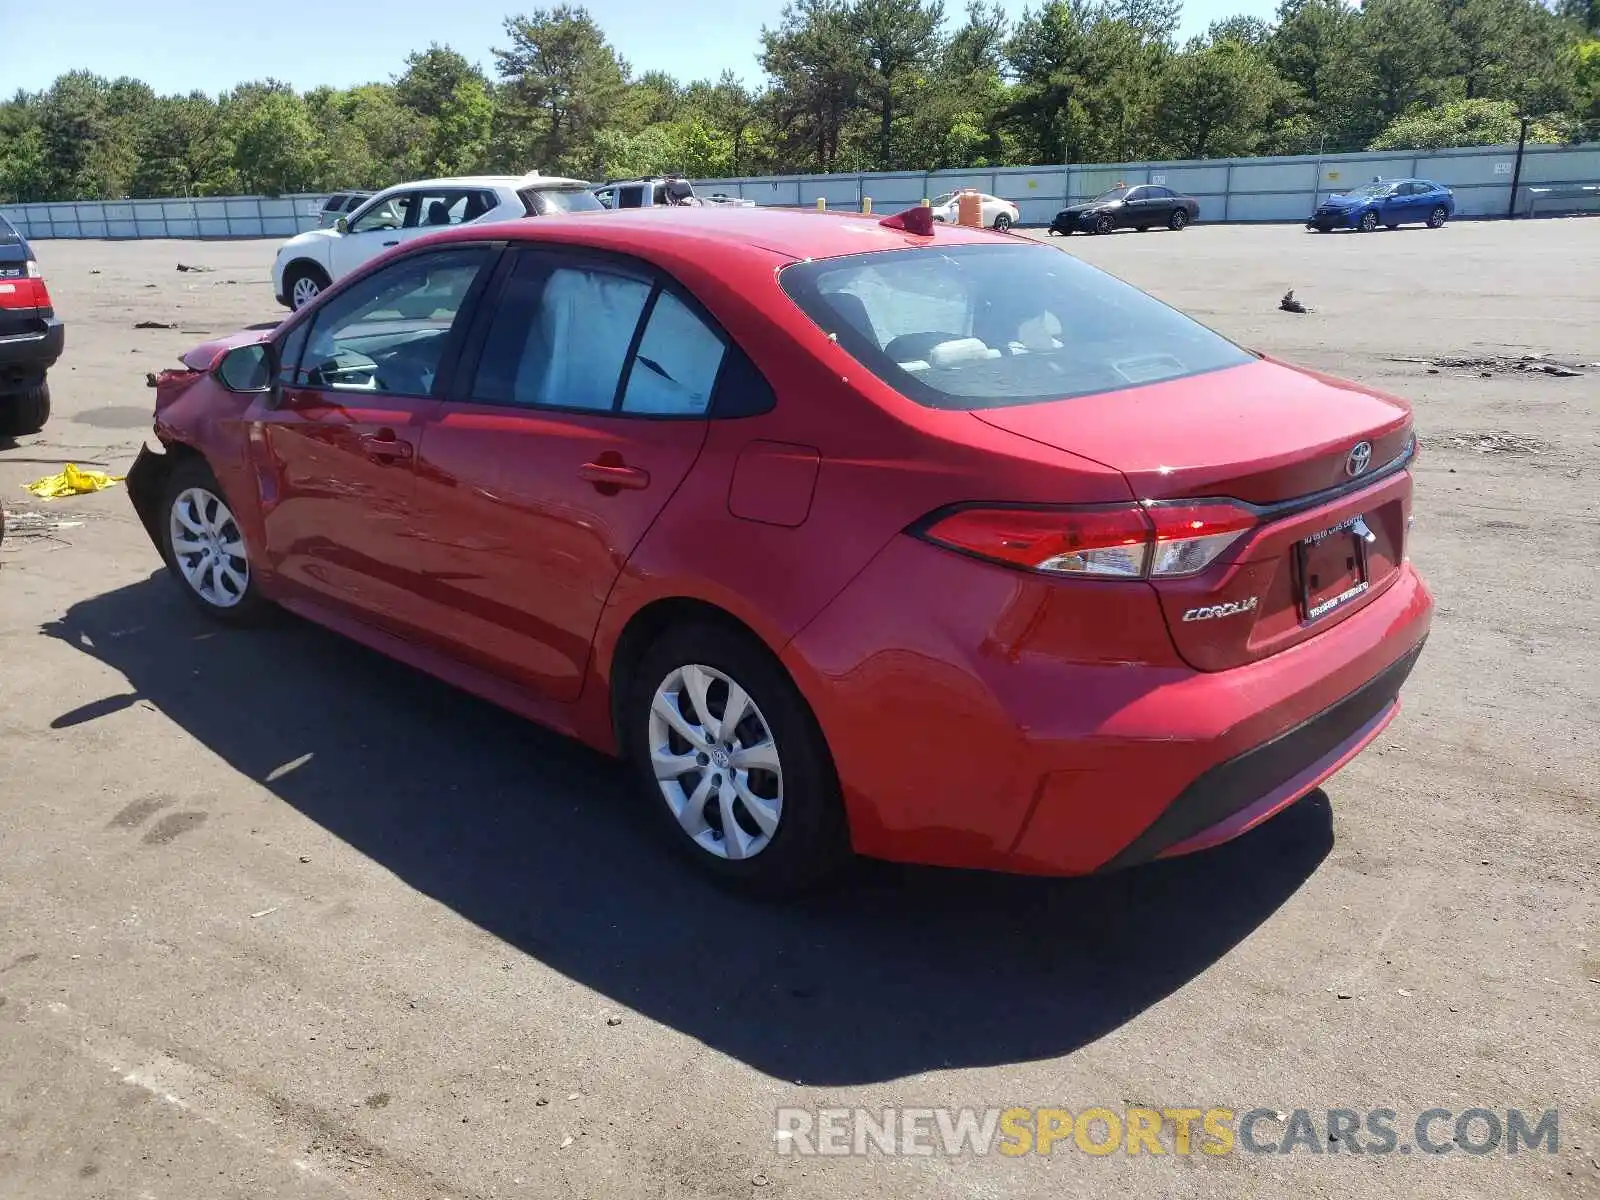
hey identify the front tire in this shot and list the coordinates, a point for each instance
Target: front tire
(1105, 224)
(1437, 218)
(1369, 222)
(731, 760)
(26, 412)
(303, 282)
(205, 549)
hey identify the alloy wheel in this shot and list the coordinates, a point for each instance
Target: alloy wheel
(716, 762)
(208, 547)
(305, 290)
(1436, 218)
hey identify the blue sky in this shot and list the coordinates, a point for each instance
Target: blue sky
(179, 45)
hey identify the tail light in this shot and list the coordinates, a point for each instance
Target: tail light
(1166, 540)
(25, 289)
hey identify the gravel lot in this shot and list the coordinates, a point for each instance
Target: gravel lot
(281, 918)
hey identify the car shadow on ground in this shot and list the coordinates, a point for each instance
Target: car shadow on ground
(539, 842)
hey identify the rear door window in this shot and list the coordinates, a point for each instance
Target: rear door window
(561, 335)
(968, 327)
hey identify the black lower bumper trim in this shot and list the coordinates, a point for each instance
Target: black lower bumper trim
(1233, 785)
(145, 481)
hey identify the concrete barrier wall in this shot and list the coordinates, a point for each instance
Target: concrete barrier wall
(1229, 189)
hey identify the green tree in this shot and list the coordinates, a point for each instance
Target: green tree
(273, 138)
(898, 41)
(24, 173)
(452, 96)
(1048, 53)
(819, 78)
(1216, 100)
(1407, 53)
(1464, 123)
(563, 84)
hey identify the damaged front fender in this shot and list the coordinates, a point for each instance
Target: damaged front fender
(146, 483)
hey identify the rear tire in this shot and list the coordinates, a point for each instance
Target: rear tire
(1177, 221)
(1437, 218)
(303, 282)
(1002, 223)
(204, 547)
(695, 784)
(25, 412)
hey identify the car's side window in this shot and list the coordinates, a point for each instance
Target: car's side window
(1138, 193)
(560, 336)
(387, 214)
(1160, 193)
(608, 337)
(387, 333)
(676, 365)
(630, 197)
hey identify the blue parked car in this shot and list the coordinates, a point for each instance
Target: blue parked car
(1388, 202)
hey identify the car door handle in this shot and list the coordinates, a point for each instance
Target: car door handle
(396, 242)
(385, 447)
(612, 475)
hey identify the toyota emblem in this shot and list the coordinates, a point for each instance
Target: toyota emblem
(1359, 460)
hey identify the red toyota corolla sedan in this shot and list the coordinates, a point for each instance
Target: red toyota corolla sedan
(929, 545)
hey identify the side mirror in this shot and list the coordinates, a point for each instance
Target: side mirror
(342, 224)
(246, 369)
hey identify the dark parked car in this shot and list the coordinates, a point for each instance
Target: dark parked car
(340, 204)
(1138, 207)
(1389, 202)
(30, 337)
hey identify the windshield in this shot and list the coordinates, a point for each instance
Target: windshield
(1372, 189)
(987, 326)
(1114, 194)
(569, 199)
(941, 201)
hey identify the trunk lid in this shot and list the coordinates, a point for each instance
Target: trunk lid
(1285, 442)
(1262, 432)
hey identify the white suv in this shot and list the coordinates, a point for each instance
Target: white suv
(312, 261)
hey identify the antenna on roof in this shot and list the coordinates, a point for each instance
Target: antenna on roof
(918, 220)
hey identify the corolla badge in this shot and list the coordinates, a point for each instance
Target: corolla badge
(1359, 460)
(1231, 608)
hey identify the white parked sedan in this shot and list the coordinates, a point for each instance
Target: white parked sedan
(997, 213)
(312, 261)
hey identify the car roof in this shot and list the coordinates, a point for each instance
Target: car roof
(794, 233)
(511, 181)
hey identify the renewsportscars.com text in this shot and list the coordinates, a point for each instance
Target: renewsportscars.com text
(1178, 1131)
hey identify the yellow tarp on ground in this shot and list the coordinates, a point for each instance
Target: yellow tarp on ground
(72, 481)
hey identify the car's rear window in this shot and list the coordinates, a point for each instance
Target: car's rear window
(549, 201)
(8, 235)
(989, 326)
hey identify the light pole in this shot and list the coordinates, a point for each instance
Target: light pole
(1516, 172)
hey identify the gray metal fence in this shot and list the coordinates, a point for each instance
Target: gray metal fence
(1553, 179)
(1228, 189)
(212, 217)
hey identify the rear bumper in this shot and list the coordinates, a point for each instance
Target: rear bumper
(25, 357)
(986, 733)
(1235, 796)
